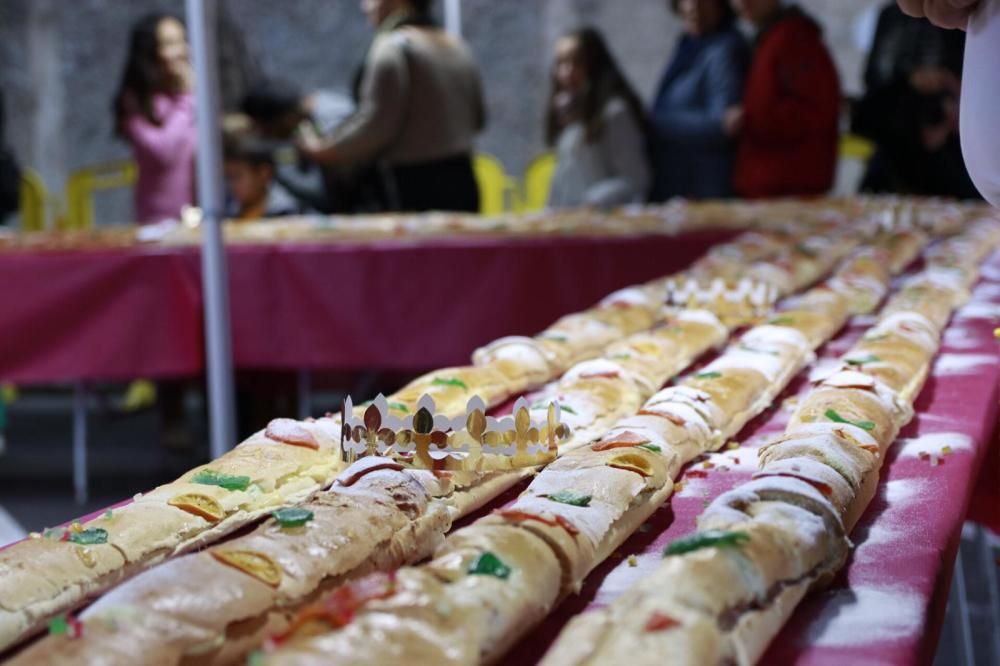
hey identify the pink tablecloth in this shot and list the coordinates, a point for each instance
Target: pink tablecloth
(888, 605)
(117, 314)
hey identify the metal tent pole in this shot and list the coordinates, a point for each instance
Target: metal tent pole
(453, 17)
(218, 353)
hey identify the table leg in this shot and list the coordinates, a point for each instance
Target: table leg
(988, 562)
(305, 393)
(960, 610)
(80, 442)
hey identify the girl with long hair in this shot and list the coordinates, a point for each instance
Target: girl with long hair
(597, 126)
(154, 111)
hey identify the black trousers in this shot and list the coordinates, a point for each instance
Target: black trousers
(444, 184)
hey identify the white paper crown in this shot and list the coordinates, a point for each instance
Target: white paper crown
(746, 297)
(428, 440)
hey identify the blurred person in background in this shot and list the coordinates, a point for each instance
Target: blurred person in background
(910, 108)
(597, 125)
(787, 124)
(10, 175)
(692, 154)
(252, 191)
(420, 107)
(980, 85)
(275, 109)
(154, 111)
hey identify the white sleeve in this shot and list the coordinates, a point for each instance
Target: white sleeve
(980, 104)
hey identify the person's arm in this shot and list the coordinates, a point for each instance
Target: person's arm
(724, 71)
(942, 13)
(380, 112)
(163, 143)
(981, 101)
(802, 93)
(625, 148)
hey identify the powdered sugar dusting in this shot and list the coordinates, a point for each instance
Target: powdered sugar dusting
(866, 615)
(625, 574)
(864, 320)
(933, 443)
(742, 459)
(693, 487)
(878, 534)
(989, 270)
(960, 337)
(979, 310)
(987, 291)
(903, 491)
(960, 364)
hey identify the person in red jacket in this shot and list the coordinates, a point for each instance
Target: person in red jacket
(787, 123)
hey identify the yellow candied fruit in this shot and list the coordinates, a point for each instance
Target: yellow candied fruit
(86, 556)
(199, 505)
(258, 565)
(946, 450)
(632, 562)
(679, 486)
(34, 535)
(76, 526)
(632, 462)
(732, 445)
(996, 333)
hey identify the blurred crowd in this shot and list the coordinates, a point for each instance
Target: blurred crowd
(749, 104)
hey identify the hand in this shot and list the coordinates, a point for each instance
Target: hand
(184, 77)
(942, 13)
(935, 136)
(932, 80)
(309, 143)
(732, 120)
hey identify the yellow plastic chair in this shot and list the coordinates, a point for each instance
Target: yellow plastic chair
(82, 184)
(497, 191)
(34, 198)
(855, 147)
(537, 182)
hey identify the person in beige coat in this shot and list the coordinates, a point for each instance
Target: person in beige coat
(420, 107)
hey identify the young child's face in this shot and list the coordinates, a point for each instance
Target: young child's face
(247, 182)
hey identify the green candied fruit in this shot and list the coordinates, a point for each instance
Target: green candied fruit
(571, 497)
(488, 564)
(209, 477)
(292, 517)
(707, 539)
(89, 537)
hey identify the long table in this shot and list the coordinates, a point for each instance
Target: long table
(887, 605)
(395, 305)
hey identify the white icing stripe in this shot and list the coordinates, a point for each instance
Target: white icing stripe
(822, 427)
(772, 367)
(700, 316)
(767, 333)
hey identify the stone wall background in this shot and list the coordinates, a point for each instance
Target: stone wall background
(60, 61)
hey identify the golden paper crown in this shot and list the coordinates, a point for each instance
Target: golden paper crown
(475, 441)
(744, 299)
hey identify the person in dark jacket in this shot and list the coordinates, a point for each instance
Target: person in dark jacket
(787, 127)
(910, 108)
(10, 174)
(419, 109)
(692, 154)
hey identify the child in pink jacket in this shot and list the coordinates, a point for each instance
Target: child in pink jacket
(154, 111)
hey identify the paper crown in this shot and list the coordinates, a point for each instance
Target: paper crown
(475, 441)
(743, 299)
